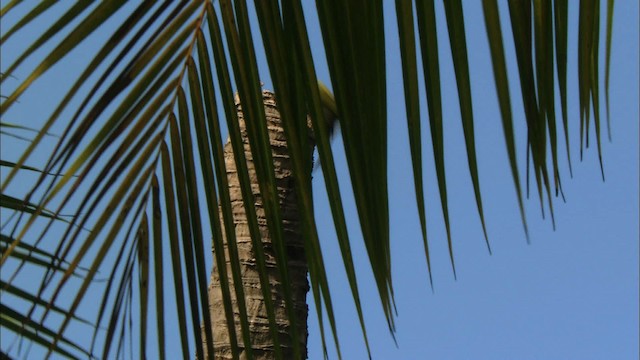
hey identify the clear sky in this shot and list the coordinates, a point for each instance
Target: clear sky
(571, 294)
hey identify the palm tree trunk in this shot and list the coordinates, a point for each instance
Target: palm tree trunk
(261, 340)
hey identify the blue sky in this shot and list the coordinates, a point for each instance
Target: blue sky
(571, 294)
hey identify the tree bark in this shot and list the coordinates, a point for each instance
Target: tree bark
(261, 341)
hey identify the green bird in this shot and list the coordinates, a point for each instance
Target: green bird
(329, 107)
(330, 112)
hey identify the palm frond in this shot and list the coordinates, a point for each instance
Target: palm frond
(140, 163)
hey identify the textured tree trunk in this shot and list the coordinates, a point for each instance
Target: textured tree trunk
(261, 341)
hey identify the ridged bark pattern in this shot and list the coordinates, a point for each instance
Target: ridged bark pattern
(261, 341)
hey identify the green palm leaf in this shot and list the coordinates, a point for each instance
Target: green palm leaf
(142, 163)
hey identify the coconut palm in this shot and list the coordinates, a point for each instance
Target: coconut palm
(141, 170)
